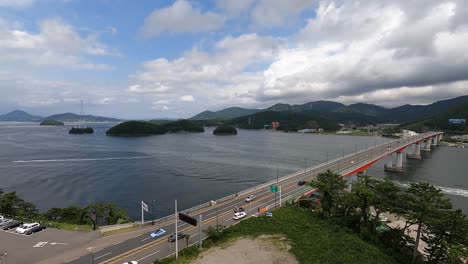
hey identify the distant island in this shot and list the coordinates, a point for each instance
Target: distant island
(225, 130)
(136, 128)
(51, 122)
(77, 130)
(143, 128)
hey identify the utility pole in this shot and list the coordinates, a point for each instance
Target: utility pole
(236, 187)
(305, 164)
(153, 211)
(176, 242)
(280, 195)
(199, 231)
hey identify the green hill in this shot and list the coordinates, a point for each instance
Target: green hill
(184, 126)
(136, 128)
(50, 122)
(71, 117)
(19, 116)
(441, 121)
(289, 121)
(225, 130)
(230, 112)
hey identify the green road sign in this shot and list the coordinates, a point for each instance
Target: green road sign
(274, 188)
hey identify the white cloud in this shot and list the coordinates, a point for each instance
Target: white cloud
(356, 48)
(274, 13)
(56, 43)
(234, 8)
(180, 17)
(230, 73)
(187, 98)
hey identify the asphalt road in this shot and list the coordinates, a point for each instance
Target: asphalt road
(145, 250)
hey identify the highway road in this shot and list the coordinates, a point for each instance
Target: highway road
(145, 250)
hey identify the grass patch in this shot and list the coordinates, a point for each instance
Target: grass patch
(313, 240)
(72, 227)
(122, 230)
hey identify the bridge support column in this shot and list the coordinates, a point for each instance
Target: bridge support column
(434, 141)
(395, 166)
(416, 152)
(426, 145)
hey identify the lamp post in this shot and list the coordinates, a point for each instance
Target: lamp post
(236, 187)
(305, 164)
(152, 211)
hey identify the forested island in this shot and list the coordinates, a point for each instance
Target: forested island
(50, 122)
(78, 130)
(225, 130)
(142, 128)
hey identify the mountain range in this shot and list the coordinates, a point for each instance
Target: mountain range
(359, 113)
(21, 116)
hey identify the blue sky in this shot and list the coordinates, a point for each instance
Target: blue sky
(156, 59)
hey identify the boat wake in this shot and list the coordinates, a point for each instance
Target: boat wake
(446, 190)
(78, 160)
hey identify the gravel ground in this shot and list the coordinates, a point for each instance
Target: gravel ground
(264, 249)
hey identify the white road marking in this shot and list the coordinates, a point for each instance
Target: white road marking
(145, 239)
(40, 244)
(119, 242)
(102, 255)
(72, 260)
(148, 256)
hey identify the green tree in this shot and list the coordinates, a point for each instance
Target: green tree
(387, 198)
(9, 204)
(330, 186)
(423, 202)
(445, 235)
(364, 191)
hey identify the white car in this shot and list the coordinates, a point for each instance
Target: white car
(239, 215)
(25, 228)
(250, 198)
(131, 262)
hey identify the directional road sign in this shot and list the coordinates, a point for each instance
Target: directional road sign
(188, 219)
(274, 188)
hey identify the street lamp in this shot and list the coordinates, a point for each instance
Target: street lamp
(152, 210)
(305, 164)
(236, 187)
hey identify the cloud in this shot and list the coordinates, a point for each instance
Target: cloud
(358, 48)
(187, 98)
(56, 44)
(16, 3)
(234, 8)
(278, 13)
(228, 75)
(180, 17)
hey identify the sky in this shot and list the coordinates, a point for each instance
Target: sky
(173, 59)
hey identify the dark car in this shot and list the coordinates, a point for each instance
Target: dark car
(301, 183)
(35, 229)
(238, 209)
(180, 236)
(11, 224)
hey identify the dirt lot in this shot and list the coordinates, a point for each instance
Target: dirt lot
(264, 249)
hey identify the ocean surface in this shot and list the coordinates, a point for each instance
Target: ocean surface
(51, 168)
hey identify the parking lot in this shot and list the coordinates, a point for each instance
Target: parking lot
(21, 248)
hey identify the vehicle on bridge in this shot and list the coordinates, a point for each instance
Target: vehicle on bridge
(158, 233)
(238, 209)
(239, 215)
(250, 198)
(172, 237)
(131, 262)
(301, 183)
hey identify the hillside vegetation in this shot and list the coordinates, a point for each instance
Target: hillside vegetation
(141, 128)
(136, 128)
(289, 121)
(50, 122)
(441, 121)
